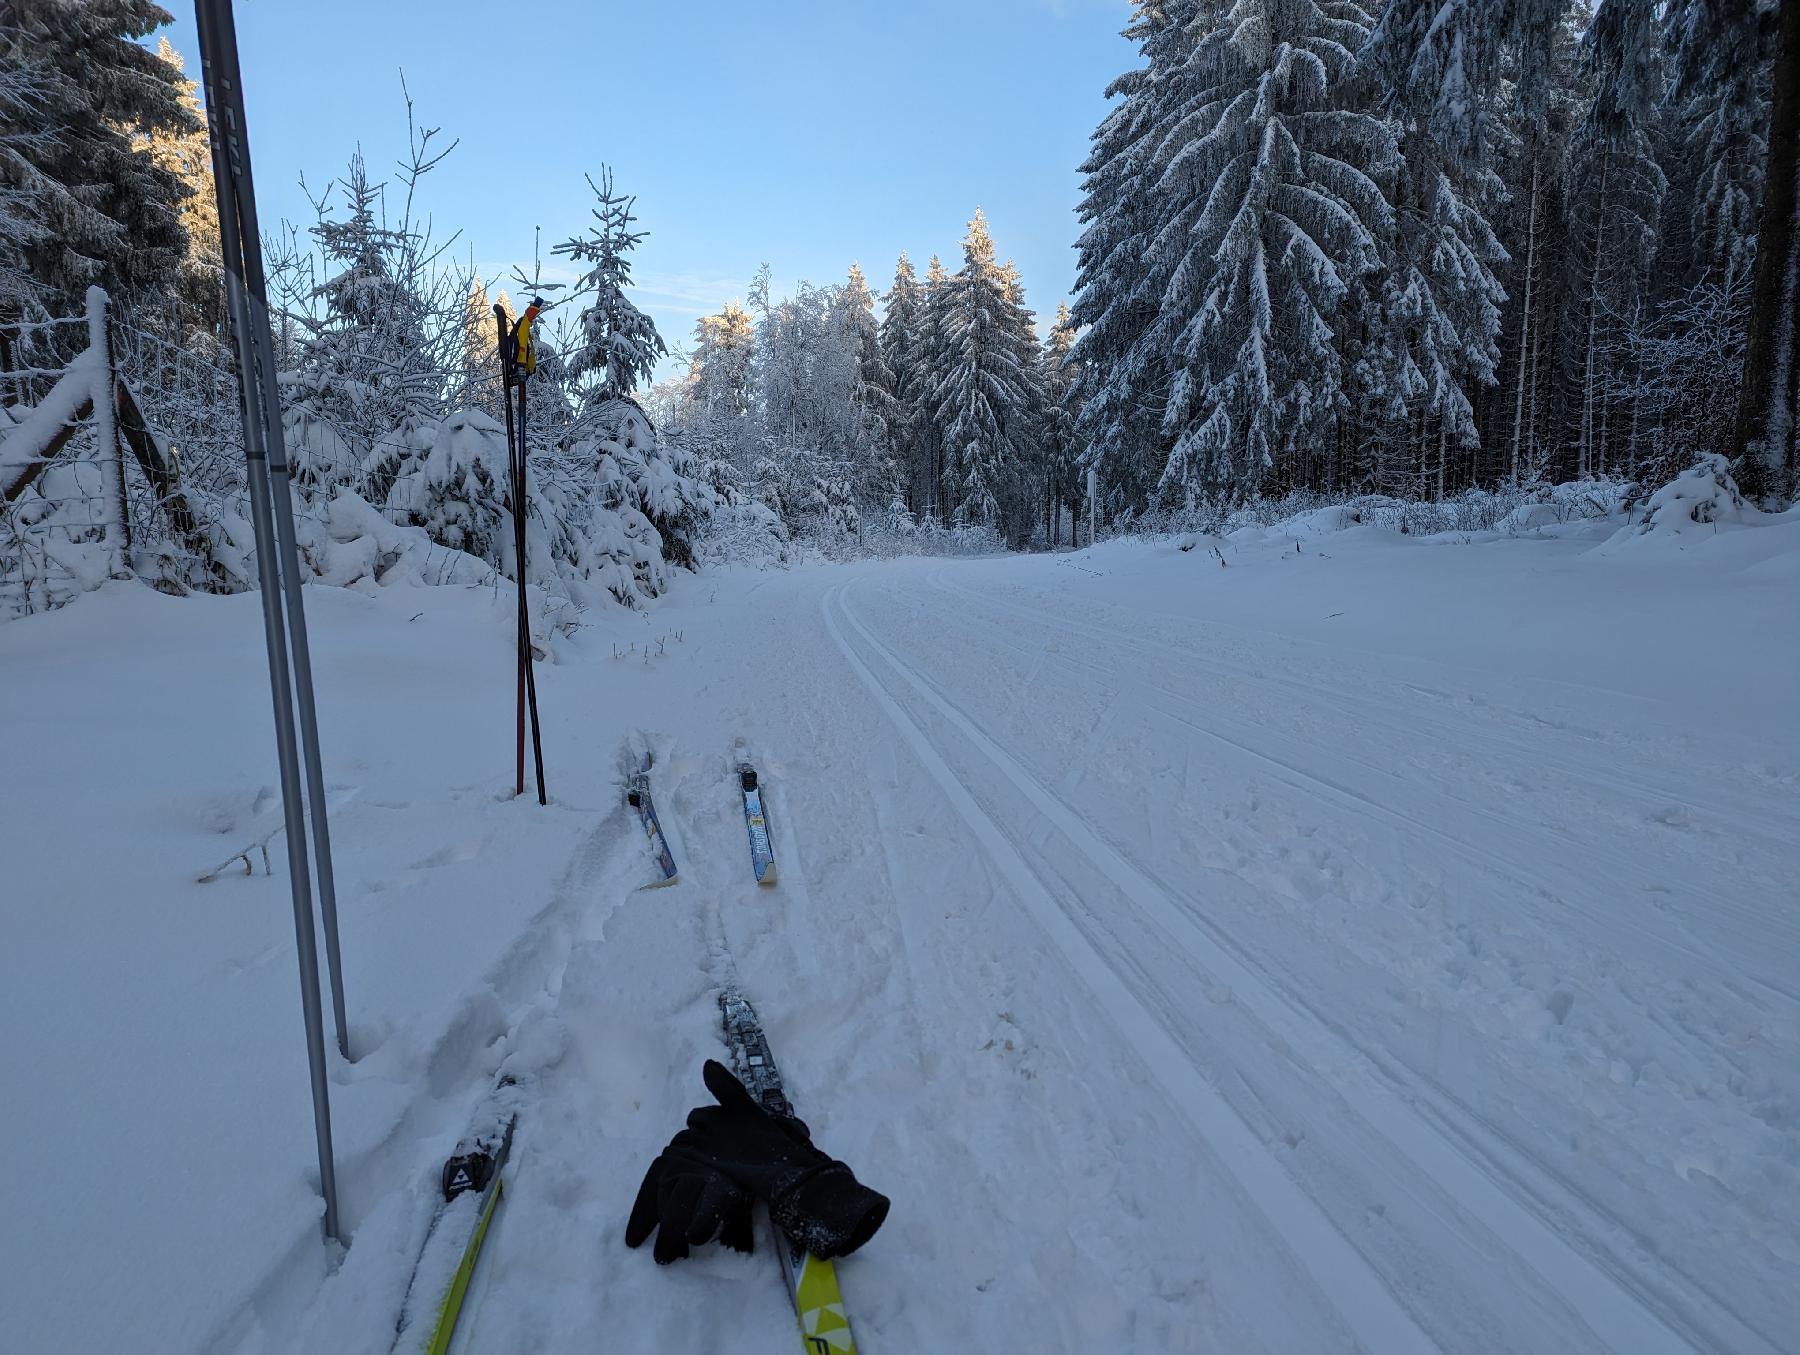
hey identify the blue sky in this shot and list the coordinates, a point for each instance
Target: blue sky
(807, 133)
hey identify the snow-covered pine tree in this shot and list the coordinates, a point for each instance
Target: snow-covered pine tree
(714, 412)
(1711, 33)
(1439, 61)
(185, 153)
(986, 395)
(1272, 205)
(902, 347)
(111, 215)
(22, 216)
(1719, 56)
(1030, 472)
(479, 383)
(369, 371)
(1438, 300)
(619, 346)
(934, 354)
(1121, 383)
(873, 393)
(1060, 451)
(722, 366)
(1616, 198)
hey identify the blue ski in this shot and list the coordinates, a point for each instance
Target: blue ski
(762, 852)
(638, 796)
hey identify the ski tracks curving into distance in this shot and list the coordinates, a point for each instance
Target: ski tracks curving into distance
(1616, 1309)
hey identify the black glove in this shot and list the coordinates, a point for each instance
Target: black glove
(687, 1201)
(815, 1199)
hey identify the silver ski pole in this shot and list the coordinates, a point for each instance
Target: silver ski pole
(267, 471)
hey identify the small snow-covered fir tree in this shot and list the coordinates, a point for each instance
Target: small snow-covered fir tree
(618, 347)
(369, 369)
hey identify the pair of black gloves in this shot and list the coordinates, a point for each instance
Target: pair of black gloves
(704, 1184)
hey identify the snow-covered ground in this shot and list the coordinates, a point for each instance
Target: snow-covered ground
(1367, 942)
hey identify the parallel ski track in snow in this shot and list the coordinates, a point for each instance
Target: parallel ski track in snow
(1620, 1310)
(1517, 871)
(1744, 810)
(1545, 1189)
(1368, 1307)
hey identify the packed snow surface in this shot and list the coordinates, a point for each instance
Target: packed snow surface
(1341, 941)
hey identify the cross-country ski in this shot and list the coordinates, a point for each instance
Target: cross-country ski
(1200, 603)
(470, 1187)
(762, 853)
(818, 1302)
(637, 795)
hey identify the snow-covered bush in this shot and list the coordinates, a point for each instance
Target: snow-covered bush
(1513, 509)
(1700, 497)
(747, 533)
(896, 533)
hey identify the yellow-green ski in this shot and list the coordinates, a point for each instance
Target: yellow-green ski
(477, 1165)
(465, 1271)
(824, 1326)
(813, 1283)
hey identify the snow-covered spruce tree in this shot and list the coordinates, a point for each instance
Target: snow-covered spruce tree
(371, 369)
(934, 354)
(1438, 299)
(723, 366)
(110, 214)
(1121, 382)
(479, 384)
(1060, 450)
(185, 152)
(1615, 202)
(712, 417)
(986, 396)
(1767, 438)
(1272, 205)
(618, 347)
(902, 347)
(873, 392)
(1718, 91)
(22, 216)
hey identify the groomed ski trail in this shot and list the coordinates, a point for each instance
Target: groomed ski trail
(1366, 1304)
(1617, 1312)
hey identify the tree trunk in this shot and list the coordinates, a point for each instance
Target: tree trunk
(1584, 468)
(1525, 324)
(1766, 404)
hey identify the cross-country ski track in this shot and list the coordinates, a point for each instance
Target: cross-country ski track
(1195, 971)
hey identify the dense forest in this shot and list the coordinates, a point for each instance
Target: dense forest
(1324, 248)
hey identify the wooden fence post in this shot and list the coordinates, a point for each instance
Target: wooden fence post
(106, 427)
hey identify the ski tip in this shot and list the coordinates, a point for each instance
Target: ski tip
(769, 876)
(747, 776)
